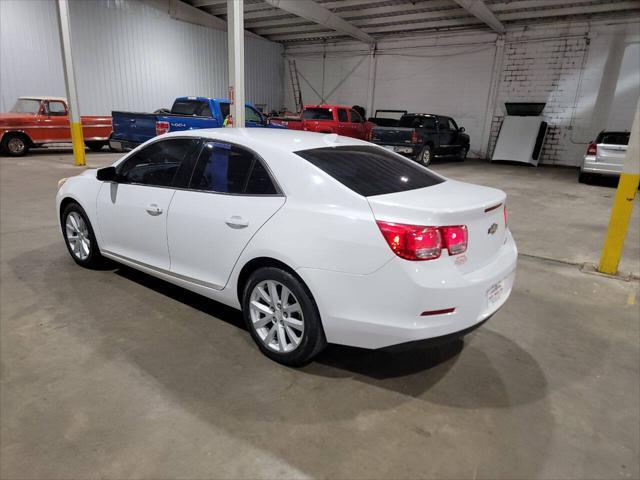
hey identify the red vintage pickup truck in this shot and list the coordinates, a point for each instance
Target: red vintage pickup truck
(328, 119)
(37, 121)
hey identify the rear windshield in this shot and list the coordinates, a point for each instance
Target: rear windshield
(199, 108)
(317, 114)
(418, 121)
(614, 138)
(370, 171)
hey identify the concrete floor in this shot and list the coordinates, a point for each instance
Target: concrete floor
(113, 374)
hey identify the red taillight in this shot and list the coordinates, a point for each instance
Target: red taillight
(455, 239)
(592, 149)
(162, 127)
(370, 136)
(415, 242)
(414, 137)
(504, 212)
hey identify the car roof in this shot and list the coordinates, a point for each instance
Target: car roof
(271, 138)
(327, 106)
(42, 97)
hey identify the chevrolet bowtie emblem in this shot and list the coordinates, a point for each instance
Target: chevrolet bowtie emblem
(492, 229)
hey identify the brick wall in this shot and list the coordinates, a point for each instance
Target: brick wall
(542, 71)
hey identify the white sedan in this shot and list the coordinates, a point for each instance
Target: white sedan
(316, 238)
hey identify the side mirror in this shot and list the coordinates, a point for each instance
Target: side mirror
(107, 174)
(461, 129)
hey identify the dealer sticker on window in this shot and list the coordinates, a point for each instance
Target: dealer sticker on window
(494, 294)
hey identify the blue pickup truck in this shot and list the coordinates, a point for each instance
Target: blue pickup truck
(130, 129)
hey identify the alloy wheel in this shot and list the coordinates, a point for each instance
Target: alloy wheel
(426, 156)
(77, 234)
(276, 316)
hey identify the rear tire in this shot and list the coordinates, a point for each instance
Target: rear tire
(282, 317)
(584, 177)
(79, 237)
(426, 156)
(95, 146)
(15, 144)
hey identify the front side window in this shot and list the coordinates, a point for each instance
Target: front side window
(250, 115)
(452, 125)
(317, 114)
(26, 105)
(157, 164)
(355, 117)
(225, 168)
(444, 124)
(56, 109)
(370, 171)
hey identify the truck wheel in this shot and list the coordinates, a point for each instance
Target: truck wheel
(425, 156)
(463, 153)
(95, 146)
(15, 144)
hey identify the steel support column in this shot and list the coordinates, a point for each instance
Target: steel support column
(70, 83)
(235, 30)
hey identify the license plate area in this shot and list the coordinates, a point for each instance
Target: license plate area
(495, 293)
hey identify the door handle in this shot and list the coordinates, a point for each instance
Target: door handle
(237, 222)
(153, 210)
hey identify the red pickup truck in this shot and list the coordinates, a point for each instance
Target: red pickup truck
(329, 119)
(37, 121)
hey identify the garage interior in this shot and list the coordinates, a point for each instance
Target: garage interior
(115, 374)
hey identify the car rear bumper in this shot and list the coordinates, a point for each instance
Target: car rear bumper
(385, 308)
(590, 165)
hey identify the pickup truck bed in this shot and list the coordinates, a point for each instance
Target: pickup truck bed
(130, 129)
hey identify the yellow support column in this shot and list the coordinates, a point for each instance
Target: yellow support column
(70, 83)
(77, 139)
(623, 203)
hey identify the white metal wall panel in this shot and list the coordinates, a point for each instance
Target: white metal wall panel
(127, 55)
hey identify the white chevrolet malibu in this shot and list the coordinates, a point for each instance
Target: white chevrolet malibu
(316, 238)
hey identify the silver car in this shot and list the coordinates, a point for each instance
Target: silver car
(605, 155)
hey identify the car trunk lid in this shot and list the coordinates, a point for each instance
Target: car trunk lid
(611, 154)
(451, 203)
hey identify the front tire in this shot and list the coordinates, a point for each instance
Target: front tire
(79, 237)
(282, 317)
(425, 156)
(15, 145)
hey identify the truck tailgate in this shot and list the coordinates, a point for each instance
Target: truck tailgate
(392, 135)
(133, 127)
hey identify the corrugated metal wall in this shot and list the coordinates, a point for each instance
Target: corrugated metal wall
(128, 55)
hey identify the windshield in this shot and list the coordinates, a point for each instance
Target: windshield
(370, 170)
(317, 114)
(24, 105)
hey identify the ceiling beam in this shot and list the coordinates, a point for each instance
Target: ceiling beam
(479, 9)
(317, 13)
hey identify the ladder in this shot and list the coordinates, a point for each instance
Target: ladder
(295, 85)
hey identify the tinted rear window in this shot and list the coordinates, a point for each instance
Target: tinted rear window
(191, 107)
(370, 171)
(317, 114)
(614, 138)
(417, 121)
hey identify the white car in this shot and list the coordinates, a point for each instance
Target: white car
(316, 238)
(605, 155)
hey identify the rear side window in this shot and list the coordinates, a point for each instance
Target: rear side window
(370, 171)
(317, 114)
(342, 115)
(157, 164)
(614, 138)
(225, 168)
(199, 108)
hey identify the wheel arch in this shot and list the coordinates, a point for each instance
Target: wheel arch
(19, 133)
(262, 262)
